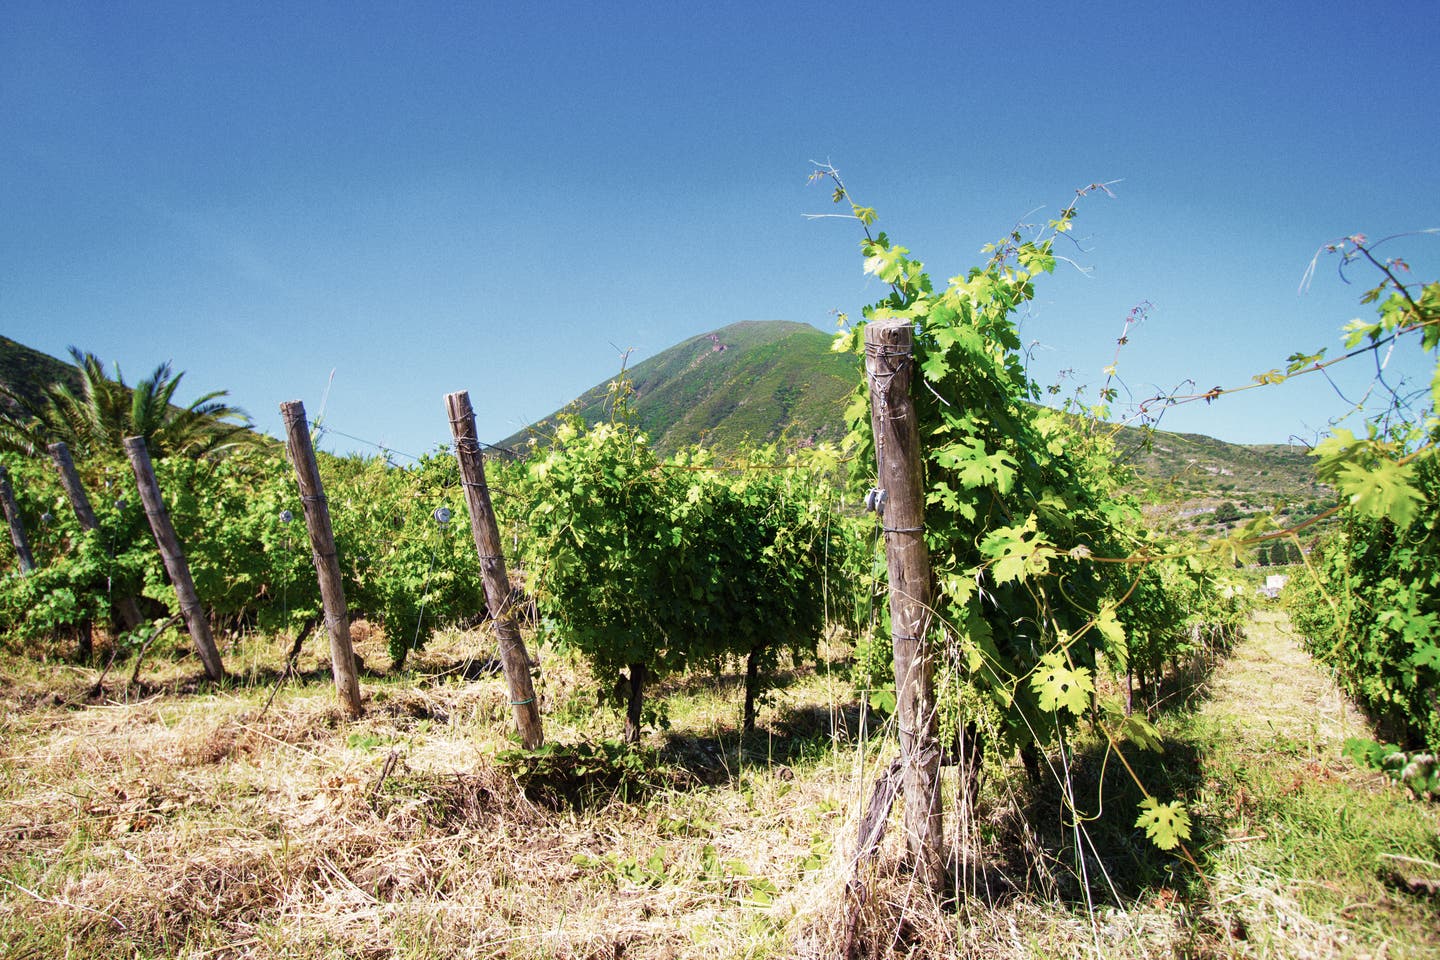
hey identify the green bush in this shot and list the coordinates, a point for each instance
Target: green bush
(1371, 611)
(650, 567)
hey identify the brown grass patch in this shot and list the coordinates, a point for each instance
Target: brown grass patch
(195, 824)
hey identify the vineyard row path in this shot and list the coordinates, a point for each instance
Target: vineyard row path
(1270, 686)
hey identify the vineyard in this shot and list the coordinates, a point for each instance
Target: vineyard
(940, 689)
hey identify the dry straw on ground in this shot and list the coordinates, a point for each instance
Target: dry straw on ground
(199, 825)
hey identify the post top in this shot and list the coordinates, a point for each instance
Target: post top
(890, 326)
(892, 330)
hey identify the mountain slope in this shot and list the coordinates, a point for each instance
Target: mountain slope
(753, 381)
(773, 380)
(26, 371)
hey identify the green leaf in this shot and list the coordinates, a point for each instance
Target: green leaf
(1427, 655)
(1110, 627)
(1166, 824)
(1058, 685)
(1383, 489)
(1142, 733)
(1015, 556)
(1366, 753)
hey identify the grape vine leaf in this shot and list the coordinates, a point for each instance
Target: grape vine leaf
(1427, 655)
(1142, 733)
(1058, 685)
(1166, 824)
(883, 700)
(1110, 627)
(1385, 489)
(1133, 727)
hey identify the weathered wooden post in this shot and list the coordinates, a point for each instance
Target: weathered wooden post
(17, 525)
(322, 549)
(889, 367)
(513, 656)
(127, 612)
(174, 557)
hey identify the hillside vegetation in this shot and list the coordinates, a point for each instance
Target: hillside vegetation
(776, 381)
(27, 371)
(753, 381)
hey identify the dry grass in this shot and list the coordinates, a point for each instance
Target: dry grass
(193, 826)
(176, 819)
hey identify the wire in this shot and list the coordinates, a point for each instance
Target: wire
(424, 597)
(323, 429)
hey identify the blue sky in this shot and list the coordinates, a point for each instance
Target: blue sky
(430, 197)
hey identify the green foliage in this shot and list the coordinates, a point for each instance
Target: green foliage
(1021, 502)
(403, 569)
(668, 565)
(1017, 497)
(1166, 824)
(247, 563)
(95, 418)
(78, 573)
(241, 523)
(1415, 769)
(1370, 607)
(584, 772)
(1179, 608)
(1056, 685)
(605, 538)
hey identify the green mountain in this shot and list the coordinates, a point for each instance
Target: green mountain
(754, 381)
(762, 381)
(1191, 481)
(27, 371)
(1200, 464)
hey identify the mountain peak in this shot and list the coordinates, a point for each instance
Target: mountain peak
(755, 381)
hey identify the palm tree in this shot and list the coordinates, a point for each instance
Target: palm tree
(96, 418)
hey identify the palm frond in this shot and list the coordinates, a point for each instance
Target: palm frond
(95, 417)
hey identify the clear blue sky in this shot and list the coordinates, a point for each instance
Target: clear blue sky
(427, 197)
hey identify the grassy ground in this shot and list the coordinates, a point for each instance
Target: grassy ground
(179, 819)
(1316, 854)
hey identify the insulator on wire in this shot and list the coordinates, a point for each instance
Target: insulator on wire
(286, 516)
(442, 515)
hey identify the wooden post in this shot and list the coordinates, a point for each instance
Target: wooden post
(322, 550)
(127, 612)
(889, 367)
(513, 656)
(174, 557)
(17, 526)
(70, 480)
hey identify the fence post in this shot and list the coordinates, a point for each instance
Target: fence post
(322, 550)
(513, 656)
(17, 526)
(174, 557)
(126, 610)
(889, 367)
